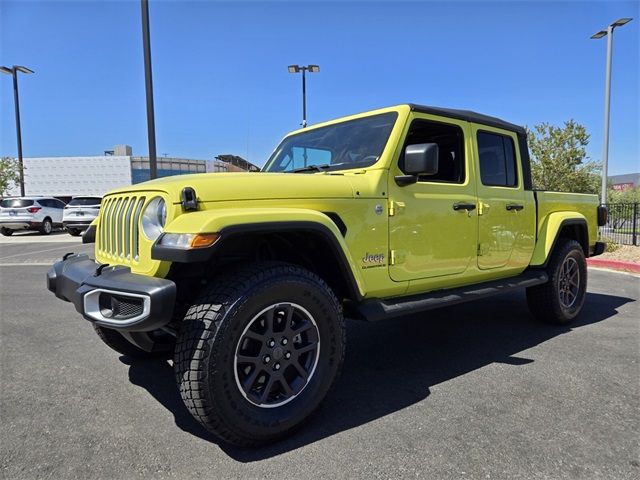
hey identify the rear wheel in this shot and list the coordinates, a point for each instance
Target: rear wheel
(47, 226)
(115, 340)
(6, 232)
(560, 300)
(258, 351)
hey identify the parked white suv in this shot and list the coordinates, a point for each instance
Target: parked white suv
(79, 213)
(30, 213)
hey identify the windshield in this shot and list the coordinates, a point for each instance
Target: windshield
(15, 203)
(84, 201)
(351, 144)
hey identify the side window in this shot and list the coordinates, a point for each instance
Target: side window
(58, 204)
(44, 202)
(497, 160)
(450, 140)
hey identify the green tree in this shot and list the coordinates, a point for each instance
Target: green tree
(559, 158)
(628, 195)
(9, 174)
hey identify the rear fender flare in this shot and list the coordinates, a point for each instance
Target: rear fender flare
(549, 233)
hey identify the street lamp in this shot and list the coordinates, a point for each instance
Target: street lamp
(304, 70)
(607, 99)
(13, 71)
(148, 84)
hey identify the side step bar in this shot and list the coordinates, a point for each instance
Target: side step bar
(379, 309)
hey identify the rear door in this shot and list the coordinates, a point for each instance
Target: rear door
(45, 210)
(506, 212)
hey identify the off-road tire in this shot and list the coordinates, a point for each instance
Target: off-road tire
(117, 342)
(209, 336)
(74, 232)
(6, 232)
(545, 300)
(47, 226)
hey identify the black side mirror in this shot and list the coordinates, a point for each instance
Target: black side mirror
(419, 159)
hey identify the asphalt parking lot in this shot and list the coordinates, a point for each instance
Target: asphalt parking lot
(473, 391)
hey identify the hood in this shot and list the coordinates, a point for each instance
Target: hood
(212, 187)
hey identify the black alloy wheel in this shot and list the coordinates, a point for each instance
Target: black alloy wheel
(277, 355)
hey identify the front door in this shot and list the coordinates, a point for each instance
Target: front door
(433, 223)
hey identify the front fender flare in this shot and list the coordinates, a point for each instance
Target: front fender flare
(229, 223)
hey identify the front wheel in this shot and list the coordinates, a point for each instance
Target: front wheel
(74, 232)
(258, 351)
(6, 232)
(560, 300)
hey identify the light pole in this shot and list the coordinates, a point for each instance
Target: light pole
(607, 99)
(303, 69)
(13, 71)
(151, 122)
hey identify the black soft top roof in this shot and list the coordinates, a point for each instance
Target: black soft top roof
(468, 116)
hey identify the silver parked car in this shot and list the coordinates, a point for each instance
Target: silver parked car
(42, 214)
(79, 213)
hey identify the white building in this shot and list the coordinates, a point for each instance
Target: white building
(66, 177)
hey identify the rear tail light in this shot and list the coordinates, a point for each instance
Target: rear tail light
(603, 215)
(33, 209)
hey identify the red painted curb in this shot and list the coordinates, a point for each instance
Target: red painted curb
(614, 264)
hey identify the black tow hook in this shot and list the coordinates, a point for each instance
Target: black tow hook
(99, 269)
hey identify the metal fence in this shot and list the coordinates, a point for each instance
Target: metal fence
(622, 224)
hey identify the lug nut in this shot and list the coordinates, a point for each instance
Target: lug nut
(287, 355)
(271, 342)
(277, 366)
(284, 341)
(267, 359)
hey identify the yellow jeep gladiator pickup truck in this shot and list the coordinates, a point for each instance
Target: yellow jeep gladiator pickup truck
(245, 278)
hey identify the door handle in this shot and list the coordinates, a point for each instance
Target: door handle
(514, 206)
(464, 206)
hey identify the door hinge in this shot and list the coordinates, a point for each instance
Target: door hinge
(396, 257)
(395, 207)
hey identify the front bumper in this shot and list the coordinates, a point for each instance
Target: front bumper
(112, 297)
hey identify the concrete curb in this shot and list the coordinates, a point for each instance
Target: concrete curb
(614, 264)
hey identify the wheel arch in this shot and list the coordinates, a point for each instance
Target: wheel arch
(557, 226)
(307, 238)
(308, 244)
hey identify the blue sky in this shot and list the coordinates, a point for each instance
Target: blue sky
(221, 83)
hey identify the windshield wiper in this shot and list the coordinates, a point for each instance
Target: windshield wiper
(312, 168)
(318, 168)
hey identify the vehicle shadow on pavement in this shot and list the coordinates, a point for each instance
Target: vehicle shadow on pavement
(156, 376)
(391, 365)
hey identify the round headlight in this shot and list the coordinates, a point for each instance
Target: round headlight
(154, 217)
